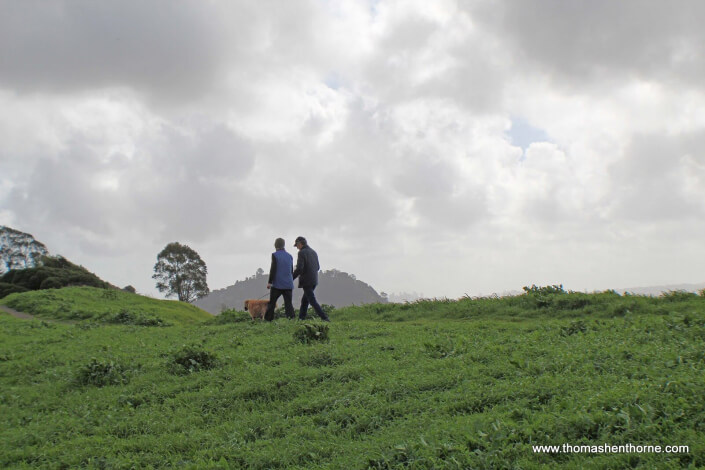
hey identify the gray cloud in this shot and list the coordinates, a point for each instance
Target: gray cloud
(584, 42)
(381, 133)
(59, 193)
(650, 182)
(164, 48)
(177, 185)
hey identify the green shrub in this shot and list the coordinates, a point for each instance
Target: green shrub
(125, 317)
(53, 273)
(7, 289)
(542, 297)
(572, 301)
(544, 290)
(578, 326)
(230, 316)
(328, 308)
(678, 295)
(50, 283)
(100, 374)
(192, 358)
(311, 332)
(109, 294)
(619, 310)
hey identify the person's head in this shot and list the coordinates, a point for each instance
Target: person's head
(279, 243)
(300, 242)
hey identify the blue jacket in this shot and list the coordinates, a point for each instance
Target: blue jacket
(280, 274)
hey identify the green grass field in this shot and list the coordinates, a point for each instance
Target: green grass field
(432, 384)
(103, 305)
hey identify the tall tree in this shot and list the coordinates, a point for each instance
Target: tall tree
(181, 272)
(19, 250)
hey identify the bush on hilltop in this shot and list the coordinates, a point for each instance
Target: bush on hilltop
(52, 273)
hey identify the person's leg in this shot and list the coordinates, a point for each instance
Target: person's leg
(288, 305)
(308, 292)
(304, 306)
(273, 297)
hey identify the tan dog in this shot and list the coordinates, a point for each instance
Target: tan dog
(257, 308)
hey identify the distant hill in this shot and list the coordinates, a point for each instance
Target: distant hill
(658, 290)
(402, 297)
(335, 288)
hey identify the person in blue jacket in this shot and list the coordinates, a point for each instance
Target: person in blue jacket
(281, 281)
(307, 271)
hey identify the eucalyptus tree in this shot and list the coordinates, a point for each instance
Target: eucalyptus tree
(181, 272)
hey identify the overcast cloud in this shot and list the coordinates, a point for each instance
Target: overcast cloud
(443, 147)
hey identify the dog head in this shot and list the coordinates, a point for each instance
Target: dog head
(247, 302)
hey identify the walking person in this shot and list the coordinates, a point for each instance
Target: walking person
(281, 281)
(307, 271)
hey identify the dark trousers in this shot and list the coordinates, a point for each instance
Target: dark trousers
(309, 298)
(273, 297)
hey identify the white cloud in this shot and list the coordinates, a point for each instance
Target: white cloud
(385, 132)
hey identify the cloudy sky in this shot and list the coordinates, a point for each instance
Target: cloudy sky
(443, 147)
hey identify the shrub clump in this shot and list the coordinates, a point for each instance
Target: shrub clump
(100, 374)
(578, 326)
(311, 332)
(544, 290)
(125, 317)
(7, 289)
(572, 301)
(678, 296)
(542, 296)
(230, 316)
(192, 358)
(53, 273)
(51, 283)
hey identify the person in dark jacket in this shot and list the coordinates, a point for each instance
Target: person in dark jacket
(307, 271)
(281, 281)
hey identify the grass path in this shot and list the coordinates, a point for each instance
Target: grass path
(16, 314)
(27, 316)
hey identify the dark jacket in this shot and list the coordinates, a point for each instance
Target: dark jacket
(281, 271)
(307, 267)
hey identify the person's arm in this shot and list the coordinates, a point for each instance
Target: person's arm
(300, 264)
(272, 271)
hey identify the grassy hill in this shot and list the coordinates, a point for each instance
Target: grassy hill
(474, 383)
(104, 305)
